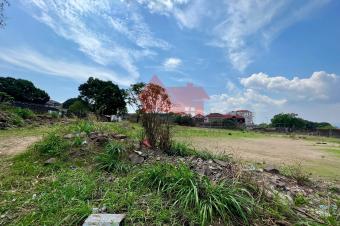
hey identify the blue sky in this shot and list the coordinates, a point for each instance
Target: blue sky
(265, 56)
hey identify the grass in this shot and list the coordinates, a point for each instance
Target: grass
(64, 192)
(52, 145)
(296, 172)
(112, 159)
(207, 201)
(186, 132)
(183, 150)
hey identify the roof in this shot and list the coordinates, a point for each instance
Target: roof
(243, 111)
(226, 116)
(198, 116)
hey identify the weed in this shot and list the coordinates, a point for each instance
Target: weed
(84, 127)
(300, 200)
(296, 172)
(112, 158)
(24, 113)
(52, 145)
(54, 114)
(190, 192)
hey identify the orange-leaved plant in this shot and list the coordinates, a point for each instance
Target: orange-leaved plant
(155, 103)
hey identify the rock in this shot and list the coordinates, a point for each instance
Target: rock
(69, 136)
(282, 223)
(104, 219)
(50, 161)
(158, 158)
(221, 163)
(120, 136)
(281, 185)
(95, 210)
(136, 159)
(271, 169)
(204, 171)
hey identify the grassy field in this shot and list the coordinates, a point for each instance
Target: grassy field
(83, 177)
(318, 155)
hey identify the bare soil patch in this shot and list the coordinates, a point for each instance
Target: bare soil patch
(275, 150)
(16, 145)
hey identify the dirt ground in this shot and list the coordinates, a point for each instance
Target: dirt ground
(16, 145)
(277, 151)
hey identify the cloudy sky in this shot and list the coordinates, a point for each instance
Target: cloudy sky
(266, 56)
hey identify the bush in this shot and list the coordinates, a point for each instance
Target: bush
(182, 149)
(187, 190)
(84, 127)
(79, 108)
(52, 145)
(54, 114)
(112, 158)
(185, 120)
(24, 113)
(296, 172)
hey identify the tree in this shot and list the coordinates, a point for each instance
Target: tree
(79, 108)
(3, 4)
(23, 90)
(132, 97)
(104, 97)
(69, 102)
(5, 98)
(155, 101)
(288, 120)
(293, 122)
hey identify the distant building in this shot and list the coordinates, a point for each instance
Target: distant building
(187, 99)
(247, 115)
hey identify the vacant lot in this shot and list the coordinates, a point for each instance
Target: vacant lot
(320, 158)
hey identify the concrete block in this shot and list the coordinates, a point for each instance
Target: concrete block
(104, 220)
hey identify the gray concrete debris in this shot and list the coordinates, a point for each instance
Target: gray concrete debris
(135, 158)
(271, 169)
(104, 220)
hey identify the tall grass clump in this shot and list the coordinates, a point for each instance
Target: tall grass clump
(84, 127)
(24, 113)
(52, 145)
(226, 202)
(112, 159)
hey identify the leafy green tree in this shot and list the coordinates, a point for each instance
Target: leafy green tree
(132, 97)
(288, 120)
(5, 98)
(3, 4)
(79, 108)
(69, 102)
(104, 97)
(23, 90)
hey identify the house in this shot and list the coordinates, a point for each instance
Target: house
(187, 99)
(247, 115)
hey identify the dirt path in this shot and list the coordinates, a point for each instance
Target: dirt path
(277, 151)
(16, 145)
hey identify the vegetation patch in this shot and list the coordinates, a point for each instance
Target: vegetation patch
(225, 201)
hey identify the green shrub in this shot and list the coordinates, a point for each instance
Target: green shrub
(54, 114)
(24, 113)
(296, 172)
(186, 189)
(84, 127)
(52, 145)
(182, 149)
(112, 159)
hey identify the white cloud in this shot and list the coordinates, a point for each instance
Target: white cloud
(243, 28)
(172, 63)
(100, 29)
(31, 60)
(316, 97)
(319, 86)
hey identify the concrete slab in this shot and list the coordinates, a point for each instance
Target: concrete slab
(104, 220)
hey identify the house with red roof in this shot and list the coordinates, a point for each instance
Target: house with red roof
(219, 118)
(187, 99)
